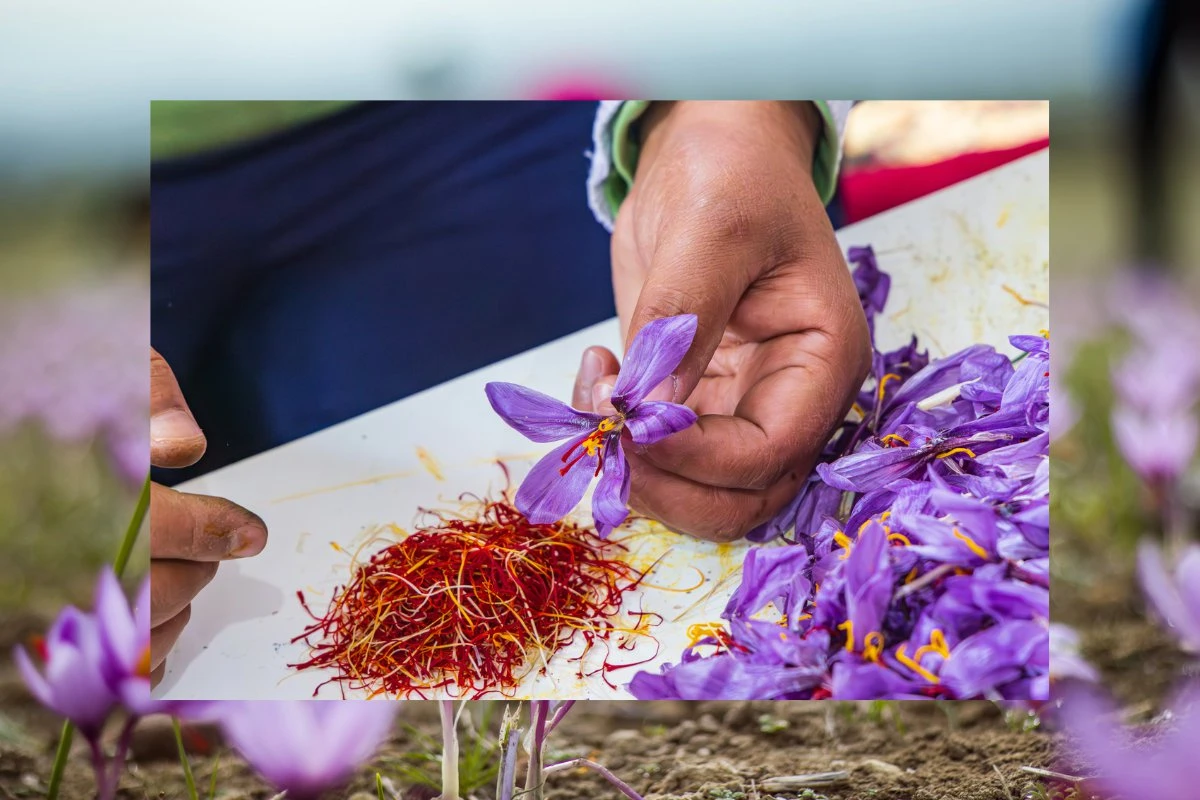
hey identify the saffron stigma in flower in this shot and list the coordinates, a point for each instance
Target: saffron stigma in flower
(472, 604)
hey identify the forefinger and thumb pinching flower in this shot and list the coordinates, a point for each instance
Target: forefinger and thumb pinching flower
(592, 449)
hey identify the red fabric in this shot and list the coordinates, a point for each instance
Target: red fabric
(870, 190)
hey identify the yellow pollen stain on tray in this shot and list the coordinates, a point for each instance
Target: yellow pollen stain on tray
(1002, 220)
(430, 464)
(338, 487)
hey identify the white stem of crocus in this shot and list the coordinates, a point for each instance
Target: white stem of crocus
(621, 786)
(947, 395)
(449, 751)
(538, 710)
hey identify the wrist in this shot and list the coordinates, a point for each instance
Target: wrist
(795, 127)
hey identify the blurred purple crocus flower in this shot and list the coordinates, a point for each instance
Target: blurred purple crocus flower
(306, 747)
(95, 663)
(1175, 598)
(70, 362)
(1165, 768)
(559, 481)
(1158, 446)
(72, 682)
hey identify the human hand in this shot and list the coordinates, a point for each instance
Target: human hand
(723, 221)
(190, 534)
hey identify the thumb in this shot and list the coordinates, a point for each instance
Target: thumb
(175, 438)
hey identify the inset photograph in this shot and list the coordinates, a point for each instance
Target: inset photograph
(619, 400)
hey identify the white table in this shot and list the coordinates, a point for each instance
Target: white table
(969, 264)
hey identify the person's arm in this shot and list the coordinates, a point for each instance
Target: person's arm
(615, 150)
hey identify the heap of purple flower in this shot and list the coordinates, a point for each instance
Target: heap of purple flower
(915, 560)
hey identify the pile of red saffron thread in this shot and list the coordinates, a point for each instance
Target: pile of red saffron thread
(472, 605)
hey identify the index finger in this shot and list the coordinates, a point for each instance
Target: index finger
(175, 438)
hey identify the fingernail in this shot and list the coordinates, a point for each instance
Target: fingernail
(601, 393)
(665, 391)
(173, 424)
(590, 368)
(248, 541)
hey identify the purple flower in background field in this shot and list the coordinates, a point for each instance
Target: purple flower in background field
(1175, 598)
(1163, 767)
(559, 481)
(72, 682)
(75, 364)
(306, 747)
(1157, 446)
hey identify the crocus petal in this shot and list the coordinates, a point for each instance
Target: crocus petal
(1170, 603)
(655, 353)
(722, 678)
(654, 421)
(1164, 770)
(770, 574)
(34, 680)
(870, 469)
(536, 416)
(610, 500)
(119, 633)
(546, 495)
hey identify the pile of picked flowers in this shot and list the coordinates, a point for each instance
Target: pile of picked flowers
(915, 560)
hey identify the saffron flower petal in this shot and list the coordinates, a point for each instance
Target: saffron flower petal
(610, 501)
(538, 417)
(653, 421)
(306, 748)
(655, 353)
(1176, 599)
(1163, 769)
(548, 494)
(72, 681)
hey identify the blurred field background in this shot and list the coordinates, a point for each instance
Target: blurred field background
(73, 173)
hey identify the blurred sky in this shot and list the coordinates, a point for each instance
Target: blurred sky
(76, 78)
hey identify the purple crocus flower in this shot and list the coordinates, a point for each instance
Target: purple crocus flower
(1176, 599)
(558, 482)
(1165, 768)
(306, 747)
(72, 683)
(1158, 446)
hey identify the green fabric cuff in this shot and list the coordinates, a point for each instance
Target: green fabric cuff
(625, 154)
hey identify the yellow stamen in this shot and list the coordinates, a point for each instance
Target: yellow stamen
(937, 644)
(971, 543)
(901, 538)
(949, 453)
(914, 666)
(606, 425)
(702, 630)
(873, 646)
(883, 382)
(845, 542)
(856, 407)
(1045, 332)
(848, 627)
(885, 515)
(803, 617)
(891, 437)
(143, 664)
(911, 575)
